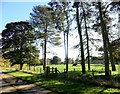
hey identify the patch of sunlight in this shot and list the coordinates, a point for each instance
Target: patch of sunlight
(59, 83)
(94, 90)
(39, 83)
(6, 70)
(20, 74)
(112, 90)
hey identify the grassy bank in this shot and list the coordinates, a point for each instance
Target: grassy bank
(63, 84)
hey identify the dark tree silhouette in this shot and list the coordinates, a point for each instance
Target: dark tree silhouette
(44, 19)
(16, 40)
(76, 5)
(104, 35)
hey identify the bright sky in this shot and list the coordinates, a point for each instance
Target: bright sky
(17, 11)
(20, 11)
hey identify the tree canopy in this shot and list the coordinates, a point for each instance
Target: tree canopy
(17, 43)
(43, 19)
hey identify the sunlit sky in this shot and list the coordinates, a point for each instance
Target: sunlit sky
(20, 11)
(17, 11)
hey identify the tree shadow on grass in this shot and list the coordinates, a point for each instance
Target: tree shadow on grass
(22, 87)
(69, 86)
(62, 84)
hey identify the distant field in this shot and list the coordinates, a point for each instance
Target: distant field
(97, 68)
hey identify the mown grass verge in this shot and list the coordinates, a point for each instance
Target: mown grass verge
(63, 84)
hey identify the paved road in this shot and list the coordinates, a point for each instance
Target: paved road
(10, 85)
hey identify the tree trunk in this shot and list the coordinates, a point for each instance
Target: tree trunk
(29, 67)
(88, 56)
(67, 55)
(45, 45)
(67, 43)
(106, 59)
(110, 51)
(64, 44)
(81, 41)
(111, 57)
(21, 65)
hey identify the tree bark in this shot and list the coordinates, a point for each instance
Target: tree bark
(81, 41)
(67, 43)
(104, 35)
(21, 65)
(111, 57)
(110, 51)
(45, 45)
(64, 44)
(86, 32)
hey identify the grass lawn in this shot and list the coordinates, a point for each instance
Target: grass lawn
(98, 69)
(61, 84)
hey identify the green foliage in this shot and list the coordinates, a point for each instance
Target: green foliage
(56, 60)
(17, 43)
(5, 63)
(70, 60)
(41, 61)
(32, 56)
(43, 19)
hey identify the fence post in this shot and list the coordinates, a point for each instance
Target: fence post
(47, 70)
(40, 69)
(74, 70)
(34, 68)
(55, 70)
(37, 70)
(52, 70)
(110, 72)
(93, 73)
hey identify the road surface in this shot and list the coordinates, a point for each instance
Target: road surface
(11, 85)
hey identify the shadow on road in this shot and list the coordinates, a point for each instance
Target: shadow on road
(12, 85)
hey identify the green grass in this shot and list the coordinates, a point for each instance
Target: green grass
(62, 84)
(98, 69)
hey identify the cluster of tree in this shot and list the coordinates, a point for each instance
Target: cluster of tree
(85, 11)
(59, 17)
(55, 60)
(18, 44)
